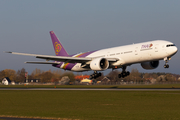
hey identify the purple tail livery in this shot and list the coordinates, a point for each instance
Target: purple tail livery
(58, 48)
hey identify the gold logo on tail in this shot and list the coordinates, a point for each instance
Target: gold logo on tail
(57, 48)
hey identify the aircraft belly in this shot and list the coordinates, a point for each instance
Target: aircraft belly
(78, 68)
(160, 54)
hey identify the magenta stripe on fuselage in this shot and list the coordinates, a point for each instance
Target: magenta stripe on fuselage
(71, 65)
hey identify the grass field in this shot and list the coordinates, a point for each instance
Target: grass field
(92, 105)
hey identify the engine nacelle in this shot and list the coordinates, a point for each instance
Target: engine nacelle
(150, 65)
(99, 64)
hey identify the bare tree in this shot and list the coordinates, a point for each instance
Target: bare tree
(113, 75)
(20, 75)
(135, 75)
(46, 76)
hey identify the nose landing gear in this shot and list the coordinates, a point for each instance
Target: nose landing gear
(166, 62)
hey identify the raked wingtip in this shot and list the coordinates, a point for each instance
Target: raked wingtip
(7, 52)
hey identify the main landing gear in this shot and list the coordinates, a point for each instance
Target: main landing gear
(166, 62)
(124, 72)
(95, 75)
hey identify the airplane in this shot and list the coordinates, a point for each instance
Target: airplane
(147, 54)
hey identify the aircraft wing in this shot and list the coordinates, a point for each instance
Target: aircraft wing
(41, 62)
(60, 58)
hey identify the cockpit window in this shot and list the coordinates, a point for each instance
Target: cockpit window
(169, 45)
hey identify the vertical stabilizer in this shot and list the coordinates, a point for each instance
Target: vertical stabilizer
(58, 48)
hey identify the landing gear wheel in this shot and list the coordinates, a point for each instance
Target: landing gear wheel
(128, 73)
(124, 74)
(166, 66)
(95, 75)
(119, 75)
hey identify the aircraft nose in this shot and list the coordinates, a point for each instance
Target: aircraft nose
(175, 49)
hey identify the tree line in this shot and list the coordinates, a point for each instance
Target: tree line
(56, 75)
(43, 76)
(141, 77)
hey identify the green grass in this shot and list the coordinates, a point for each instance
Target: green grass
(94, 86)
(92, 105)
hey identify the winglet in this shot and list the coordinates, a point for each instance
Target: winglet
(7, 52)
(58, 48)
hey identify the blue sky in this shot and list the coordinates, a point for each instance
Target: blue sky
(84, 25)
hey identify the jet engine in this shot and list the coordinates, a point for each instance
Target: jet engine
(150, 65)
(99, 64)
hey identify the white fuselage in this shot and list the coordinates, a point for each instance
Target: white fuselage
(135, 53)
(147, 53)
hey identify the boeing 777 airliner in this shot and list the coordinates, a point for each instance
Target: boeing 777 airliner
(147, 54)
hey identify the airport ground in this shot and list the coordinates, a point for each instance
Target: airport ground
(92, 104)
(95, 86)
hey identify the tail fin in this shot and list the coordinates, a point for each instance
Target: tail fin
(58, 48)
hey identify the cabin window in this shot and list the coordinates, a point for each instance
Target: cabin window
(128, 52)
(112, 54)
